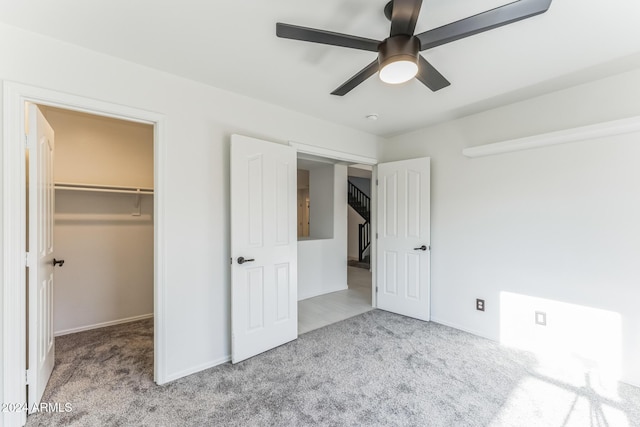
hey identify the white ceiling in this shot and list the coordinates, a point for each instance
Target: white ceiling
(232, 45)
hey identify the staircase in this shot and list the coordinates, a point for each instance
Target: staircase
(361, 203)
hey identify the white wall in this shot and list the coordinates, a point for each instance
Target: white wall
(556, 227)
(322, 263)
(198, 123)
(108, 271)
(99, 150)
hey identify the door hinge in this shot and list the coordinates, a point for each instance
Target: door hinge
(376, 235)
(27, 142)
(27, 377)
(27, 259)
(231, 260)
(376, 289)
(376, 182)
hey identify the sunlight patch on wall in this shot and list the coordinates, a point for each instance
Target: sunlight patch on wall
(579, 353)
(582, 341)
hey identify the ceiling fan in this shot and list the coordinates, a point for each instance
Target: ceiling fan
(399, 59)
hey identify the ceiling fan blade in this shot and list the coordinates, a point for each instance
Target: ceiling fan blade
(429, 76)
(481, 22)
(296, 32)
(354, 81)
(404, 15)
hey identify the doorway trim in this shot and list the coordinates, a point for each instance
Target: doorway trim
(14, 227)
(332, 154)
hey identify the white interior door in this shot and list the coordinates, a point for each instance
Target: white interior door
(41, 208)
(403, 245)
(264, 303)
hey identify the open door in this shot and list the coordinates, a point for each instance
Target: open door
(264, 303)
(403, 244)
(41, 348)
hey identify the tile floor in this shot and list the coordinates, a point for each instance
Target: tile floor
(323, 310)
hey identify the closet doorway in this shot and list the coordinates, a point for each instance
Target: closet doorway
(103, 228)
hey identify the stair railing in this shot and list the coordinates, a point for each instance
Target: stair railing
(361, 203)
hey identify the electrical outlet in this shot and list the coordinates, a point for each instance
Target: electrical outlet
(479, 304)
(541, 318)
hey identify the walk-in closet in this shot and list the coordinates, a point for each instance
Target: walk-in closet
(103, 229)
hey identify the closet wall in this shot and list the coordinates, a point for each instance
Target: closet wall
(107, 277)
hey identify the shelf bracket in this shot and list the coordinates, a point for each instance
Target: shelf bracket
(138, 203)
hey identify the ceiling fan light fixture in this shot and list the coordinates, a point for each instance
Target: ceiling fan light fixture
(398, 59)
(397, 72)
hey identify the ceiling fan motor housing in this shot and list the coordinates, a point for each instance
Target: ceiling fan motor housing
(398, 48)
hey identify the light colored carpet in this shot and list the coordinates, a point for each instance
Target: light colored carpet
(375, 369)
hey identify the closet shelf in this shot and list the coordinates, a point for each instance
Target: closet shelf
(102, 188)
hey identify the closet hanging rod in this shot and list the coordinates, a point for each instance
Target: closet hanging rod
(102, 188)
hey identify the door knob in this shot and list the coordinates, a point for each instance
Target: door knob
(421, 248)
(242, 260)
(59, 262)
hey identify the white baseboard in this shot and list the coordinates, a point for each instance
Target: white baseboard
(177, 375)
(322, 292)
(461, 328)
(631, 383)
(102, 325)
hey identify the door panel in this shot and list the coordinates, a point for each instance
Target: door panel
(390, 210)
(404, 217)
(41, 276)
(413, 276)
(413, 205)
(390, 283)
(283, 209)
(283, 291)
(255, 300)
(254, 201)
(264, 298)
